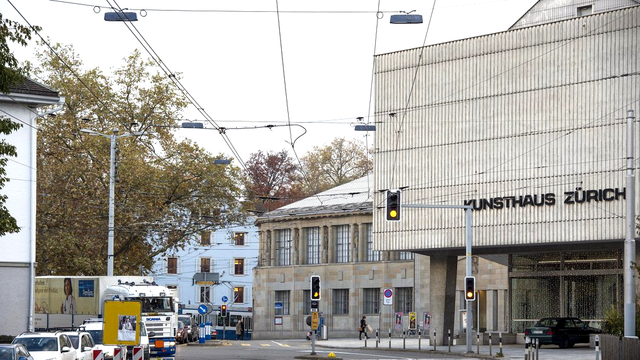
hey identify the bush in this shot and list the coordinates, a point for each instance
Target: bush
(6, 339)
(614, 321)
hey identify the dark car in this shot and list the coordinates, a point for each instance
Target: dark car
(14, 352)
(182, 336)
(193, 329)
(562, 331)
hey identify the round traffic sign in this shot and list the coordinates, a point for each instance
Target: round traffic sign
(388, 293)
(225, 298)
(202, 309)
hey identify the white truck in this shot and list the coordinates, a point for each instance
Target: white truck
(68, 301)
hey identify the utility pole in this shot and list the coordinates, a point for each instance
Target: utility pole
(112, 184)
(630, 242)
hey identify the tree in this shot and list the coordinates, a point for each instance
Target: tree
(11, 73)
(272, 180)
(167, 192)
(335, 164)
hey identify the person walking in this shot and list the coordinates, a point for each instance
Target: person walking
(363, 328)
(240, 330)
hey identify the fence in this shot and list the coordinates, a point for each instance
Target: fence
(616, 348)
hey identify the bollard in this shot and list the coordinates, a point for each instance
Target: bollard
(389, 338)
(449, 337)
(501, 344)
(478, 341)
(377, 337)
(404, 340)
(490, 352)
(536, 347)
(527, 351)
(597, 347)
(419, 337)
(365, 341)
(434, 341)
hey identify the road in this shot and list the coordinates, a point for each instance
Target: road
(290, 349)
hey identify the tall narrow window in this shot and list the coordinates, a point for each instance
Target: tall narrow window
(406, 255)
(284, 247)
(205, 294)
(404, 299)
(172, 265)
(341, 301)
(372, 255)
(238, 266)
(313, 245)
(306, 297)
(238, 238)
(205, 238)
(283, 298)
(238, 295)
(205, 265)
(343, 249)
(372, 301)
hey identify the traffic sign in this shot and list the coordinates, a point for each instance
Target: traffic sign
(203, 309)
(314, 320)
(225, 299)
(388, 297)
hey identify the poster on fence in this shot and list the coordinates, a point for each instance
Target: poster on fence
(427, 321)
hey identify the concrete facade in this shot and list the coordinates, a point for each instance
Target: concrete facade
(527, 126)
(18, 255)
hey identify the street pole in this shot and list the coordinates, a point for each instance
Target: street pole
(467, 209)
(630, 242)
(112, 184)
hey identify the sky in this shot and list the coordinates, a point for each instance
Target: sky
(249, 66)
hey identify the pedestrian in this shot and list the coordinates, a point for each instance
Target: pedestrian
(240, 330)
(363, 328)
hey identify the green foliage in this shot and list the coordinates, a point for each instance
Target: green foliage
(167, 192)
(614, 319)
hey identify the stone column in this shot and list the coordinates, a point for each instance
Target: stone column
(353, 242)
(324, 245)
(442, 292)
(331, 245)
(295, 240)
(362, 242)
(302, 255)
(274, 247)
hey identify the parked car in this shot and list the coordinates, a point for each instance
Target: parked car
(562, 331)
(193, 329)
(47, 346)
(82, 343)
(182, 336)
(14, 352)
(95, 328)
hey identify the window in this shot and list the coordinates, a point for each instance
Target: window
(341, 301)
(205, 238)
(343, 242)
(585, 10)
(406, 255)
(372, 301)
(284, 247)
(404, 299)
(238, 238)
(205, 265)
(238, 266)
(238, 295)
(306, 297)
(283, 297)
(205, 294)
(313, 245)
(172, 265)
(372, 255)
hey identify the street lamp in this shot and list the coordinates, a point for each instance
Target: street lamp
(112, 184)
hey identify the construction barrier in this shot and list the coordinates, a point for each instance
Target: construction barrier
(138, 353)
(97, 355)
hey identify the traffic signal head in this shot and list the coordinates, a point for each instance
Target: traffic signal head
(223, 310)
(470, 288)
(315, 287)
(393, 205)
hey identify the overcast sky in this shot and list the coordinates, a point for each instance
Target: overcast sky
(229, 54)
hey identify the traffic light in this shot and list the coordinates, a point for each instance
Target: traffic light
(393, 205)
(470, 288)
(315, 287)
(223, 310)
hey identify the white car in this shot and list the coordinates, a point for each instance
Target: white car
(82, 343)
(47, 346)
(95, 328)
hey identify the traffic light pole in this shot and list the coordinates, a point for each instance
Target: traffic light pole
(467, 209)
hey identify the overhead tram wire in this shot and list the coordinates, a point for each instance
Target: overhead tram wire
(156, 58)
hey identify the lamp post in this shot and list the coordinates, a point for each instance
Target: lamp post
(112, 184)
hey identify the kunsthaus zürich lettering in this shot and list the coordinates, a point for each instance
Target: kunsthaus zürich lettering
(578, 196)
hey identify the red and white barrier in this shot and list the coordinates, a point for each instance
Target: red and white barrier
(118, 354)
(138, 353)
(97, 355)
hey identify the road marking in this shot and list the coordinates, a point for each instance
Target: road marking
(265, 344)
(245, 344)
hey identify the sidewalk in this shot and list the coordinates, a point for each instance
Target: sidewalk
(513, 351)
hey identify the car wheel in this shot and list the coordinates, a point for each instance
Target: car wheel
(564, 342)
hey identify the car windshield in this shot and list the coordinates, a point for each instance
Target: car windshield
(185, 320)
(74, 340)
(547, 322)
(38, 343)
(96, 335)
(159, 304)
(6, 352)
